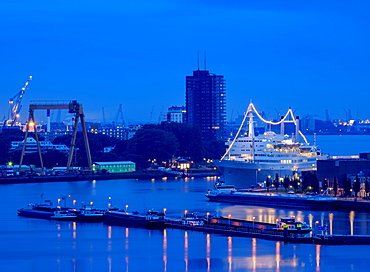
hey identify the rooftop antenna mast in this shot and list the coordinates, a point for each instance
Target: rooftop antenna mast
(198, 60)
(205, 60)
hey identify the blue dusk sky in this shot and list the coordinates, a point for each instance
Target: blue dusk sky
(309, 55)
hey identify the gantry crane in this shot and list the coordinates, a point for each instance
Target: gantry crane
(72, 107)
(15, 105)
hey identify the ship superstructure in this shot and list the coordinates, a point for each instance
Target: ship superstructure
(252, 158)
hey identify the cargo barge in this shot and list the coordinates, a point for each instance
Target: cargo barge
(286, 229)
(272, 199)
(36, 211)
(151, 219)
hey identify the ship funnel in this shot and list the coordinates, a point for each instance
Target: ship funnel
(297, 128)
(251, 126)
(282, 125)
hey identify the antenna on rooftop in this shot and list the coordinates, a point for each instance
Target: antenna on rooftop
(198, 60)
(205, 61)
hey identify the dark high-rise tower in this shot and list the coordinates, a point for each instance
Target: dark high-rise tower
(206, 103)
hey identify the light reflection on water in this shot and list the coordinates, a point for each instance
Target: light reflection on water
(354, 225)
(42, 245)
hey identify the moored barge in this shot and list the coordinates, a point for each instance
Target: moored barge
(43, 212)
(271, 199)
(151, 219)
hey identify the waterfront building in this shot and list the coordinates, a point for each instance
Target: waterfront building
(114, 167)
(363, 126)
(176, 114)
(341, 169)
(52, 135)
(118, 132)
(206, 103)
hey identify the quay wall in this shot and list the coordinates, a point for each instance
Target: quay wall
(79, 177)
(260, 200)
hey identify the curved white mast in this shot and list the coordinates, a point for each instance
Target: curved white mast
(251, 131)
(249, 113)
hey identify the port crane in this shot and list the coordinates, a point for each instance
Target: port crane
(15, 105)
(119, 117)
(72, 107)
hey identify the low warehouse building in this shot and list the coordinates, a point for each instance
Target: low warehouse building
(114, 167)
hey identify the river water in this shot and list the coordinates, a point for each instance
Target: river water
(342, 145)
(42, 245)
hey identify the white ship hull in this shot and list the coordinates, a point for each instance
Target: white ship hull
(244, 175)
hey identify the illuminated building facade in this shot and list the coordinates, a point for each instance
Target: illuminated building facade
(176, 114)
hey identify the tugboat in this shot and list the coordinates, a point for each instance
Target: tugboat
(151, 219)
(192, 219)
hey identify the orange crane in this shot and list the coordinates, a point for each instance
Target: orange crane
(15, 105)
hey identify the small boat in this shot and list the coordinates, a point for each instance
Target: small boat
(192, 219)
(222, 187)
(63, 215)
(151, 219)
(292, 225)
(89, 214)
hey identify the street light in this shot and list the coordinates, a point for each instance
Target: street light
(257, 170)
(109, 202)
(316, 228)
(253, 221)
(229, 219)
(126, 208)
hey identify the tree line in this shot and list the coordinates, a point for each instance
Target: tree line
(158, 143)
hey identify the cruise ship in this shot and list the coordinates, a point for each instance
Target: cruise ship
(250, 159)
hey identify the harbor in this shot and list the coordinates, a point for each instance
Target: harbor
(285, 229)
(66, 240)
(124, 114)
(227, 226)
(68, 177)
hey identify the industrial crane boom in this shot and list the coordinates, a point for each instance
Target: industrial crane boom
(15, 104)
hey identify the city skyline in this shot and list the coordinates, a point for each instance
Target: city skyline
(310, 56)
